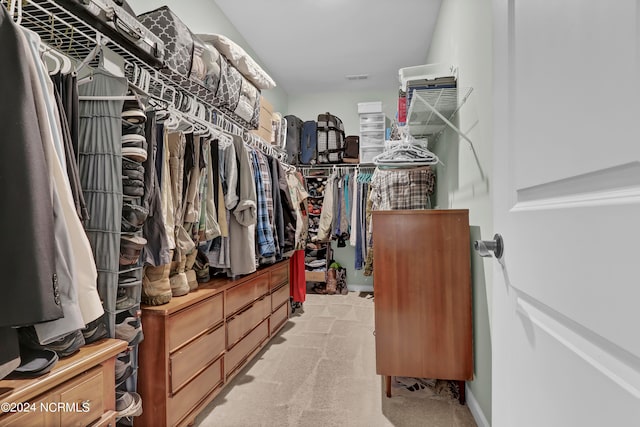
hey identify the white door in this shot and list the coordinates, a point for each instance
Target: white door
(566, 308)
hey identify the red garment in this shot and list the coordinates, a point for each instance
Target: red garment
(296, 277)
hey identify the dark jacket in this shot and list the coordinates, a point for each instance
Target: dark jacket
(27, 256)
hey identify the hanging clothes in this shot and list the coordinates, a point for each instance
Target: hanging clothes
(278, 216)
(299, 197)
(297, 277)
(264, 229)
(157, 251)
(23, 161)
(242, 222)
(402, 188)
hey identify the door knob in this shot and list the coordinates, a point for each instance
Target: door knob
(484, 247)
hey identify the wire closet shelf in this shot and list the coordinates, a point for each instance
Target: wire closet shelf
(60, 29)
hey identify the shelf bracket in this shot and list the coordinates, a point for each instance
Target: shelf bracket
(435, 111)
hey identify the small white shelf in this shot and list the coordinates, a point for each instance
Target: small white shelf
(431, 109)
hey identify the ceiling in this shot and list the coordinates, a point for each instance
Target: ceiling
(310, 46)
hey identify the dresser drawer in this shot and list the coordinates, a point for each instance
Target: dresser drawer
(243, 348)
(35, 417)
(190, 359)
(279, 275)
(246, 319)
(279, 296)
(191, 322)
(107, 420)
(279, 317)
(244, 294)
(84, 399)
(181, 403)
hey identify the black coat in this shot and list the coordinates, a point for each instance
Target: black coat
(28, 281)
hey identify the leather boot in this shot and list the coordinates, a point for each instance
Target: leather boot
(190, 272)
(156, 288)
(332, 282)
(178, 279)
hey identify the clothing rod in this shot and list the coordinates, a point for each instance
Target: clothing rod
(107, 98)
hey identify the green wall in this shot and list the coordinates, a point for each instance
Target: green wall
(345, 106)
(463, 38)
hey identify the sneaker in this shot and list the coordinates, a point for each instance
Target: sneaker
(123, 368)
(133, 110)
(130, 248)
(133, 217)
(95, 330)
(65, 346)
(130, 330)
(34, 363)
(128, 404)
(134, 142)
(124, 299)
(135, 153)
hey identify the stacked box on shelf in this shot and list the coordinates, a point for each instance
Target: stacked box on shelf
(266, 116)
(373, 125)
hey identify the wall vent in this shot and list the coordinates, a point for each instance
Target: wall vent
(357, 76)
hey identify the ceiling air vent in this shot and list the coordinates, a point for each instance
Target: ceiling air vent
(357, 77)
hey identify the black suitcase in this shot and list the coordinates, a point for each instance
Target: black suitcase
(294, 136)
(309, 143)
(330, 139)
(120, 26)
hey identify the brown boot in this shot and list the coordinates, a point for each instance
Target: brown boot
(190, 272)
(178, 279)
(332, 282)
(156, 288)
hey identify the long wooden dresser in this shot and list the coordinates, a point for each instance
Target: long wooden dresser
(197, 343)
(78, 391)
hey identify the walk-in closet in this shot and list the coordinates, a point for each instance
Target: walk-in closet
(253, 213)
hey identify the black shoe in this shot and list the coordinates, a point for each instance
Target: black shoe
(133, 110)
(65, 346)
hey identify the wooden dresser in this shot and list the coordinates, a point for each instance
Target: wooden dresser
(197, 343)
(422, 288)
(83, 384)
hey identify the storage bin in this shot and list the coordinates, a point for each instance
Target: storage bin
(370, 107)
(368, 153)
(176, 36)
(371, 118)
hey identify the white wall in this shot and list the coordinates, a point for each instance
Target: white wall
(204, 16)
(463, 37)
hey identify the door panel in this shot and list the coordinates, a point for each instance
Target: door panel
(567, 202)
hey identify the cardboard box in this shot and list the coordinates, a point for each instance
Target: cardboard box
(315, 276)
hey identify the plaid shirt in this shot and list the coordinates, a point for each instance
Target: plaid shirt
(264, 232)
(393, 189)
(268, 185)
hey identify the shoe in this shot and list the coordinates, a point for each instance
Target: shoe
(128, 404)
(201, 267)
(178, 279)
(95, 330)
(133, 110)
(156, 287)
(134, 142)
(133, 217)
(123, 368)
(332, 282)
(130, 330)
(191, 274)
(34, 363)
(65, 346)
(124, 299)
(130, 248)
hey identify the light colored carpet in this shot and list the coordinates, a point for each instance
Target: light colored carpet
(320, 370)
